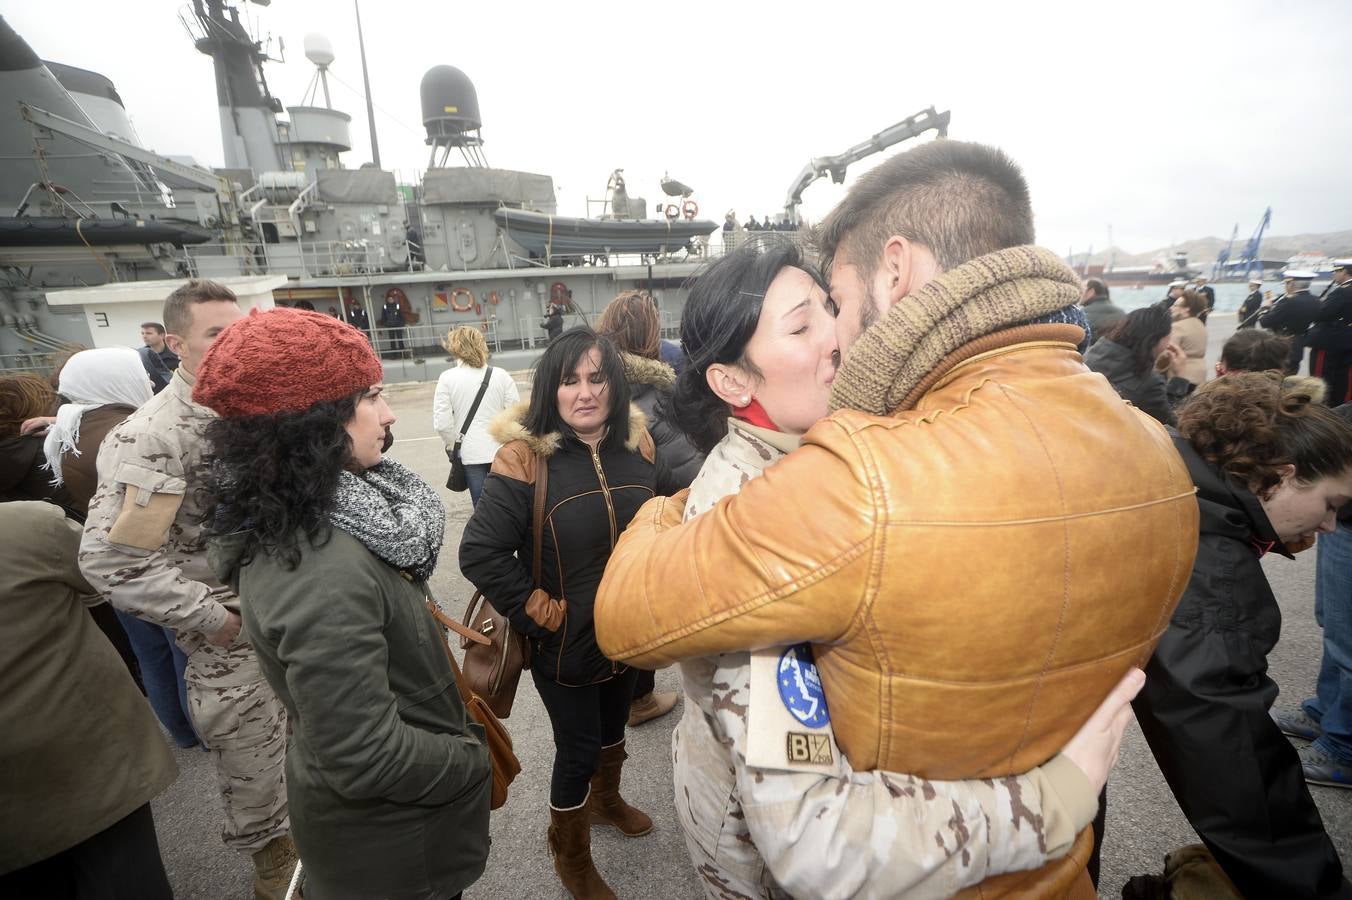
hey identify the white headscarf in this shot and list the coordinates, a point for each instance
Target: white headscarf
(93, 378)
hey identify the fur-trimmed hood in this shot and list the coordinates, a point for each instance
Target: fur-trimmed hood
(641, 370)
(507, 427)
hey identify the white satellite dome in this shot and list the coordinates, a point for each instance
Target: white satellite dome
(318, 49)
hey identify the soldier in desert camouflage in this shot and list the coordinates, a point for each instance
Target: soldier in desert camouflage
(143, 549)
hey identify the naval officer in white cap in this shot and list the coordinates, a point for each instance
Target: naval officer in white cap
(1330, 339)
(1248, 310)
(1291, 314)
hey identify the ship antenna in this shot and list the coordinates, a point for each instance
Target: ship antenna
(366, 82)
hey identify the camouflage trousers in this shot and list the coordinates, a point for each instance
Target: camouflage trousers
(243, 725)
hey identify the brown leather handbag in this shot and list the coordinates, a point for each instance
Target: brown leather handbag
(492, 670)
(505, 764)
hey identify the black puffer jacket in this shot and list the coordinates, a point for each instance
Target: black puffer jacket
(590, 499)
(1146, 391)
(650, 384)
(1204, 708)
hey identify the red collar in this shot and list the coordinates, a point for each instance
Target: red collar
(754, 414)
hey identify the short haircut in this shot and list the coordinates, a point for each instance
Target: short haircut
(561, 358)
(466, 343)
(631, 321)
(1193, 302)
(959, 199)
(177, 306)
(1098, 287)
(1255, 350)
(155, 325)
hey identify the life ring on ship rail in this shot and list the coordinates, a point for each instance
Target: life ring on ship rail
(455, 300)
(673, 211)
(690, 209)
(493, 298)
(398, 296)
(558, 294)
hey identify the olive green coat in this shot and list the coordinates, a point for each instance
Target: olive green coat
(387, 777)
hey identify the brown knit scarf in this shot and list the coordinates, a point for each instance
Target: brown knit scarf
(990, 293)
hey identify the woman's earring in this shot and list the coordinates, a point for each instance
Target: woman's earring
(746, 401)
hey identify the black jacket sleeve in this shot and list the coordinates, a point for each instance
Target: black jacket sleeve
(496, 549)
(1151, 397)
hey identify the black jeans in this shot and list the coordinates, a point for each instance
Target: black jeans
(644, 684)
(121, 862)
(584, 719)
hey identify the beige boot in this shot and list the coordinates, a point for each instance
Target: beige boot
(604, 802)
(652, 705)
(273, 866)
(570, 845)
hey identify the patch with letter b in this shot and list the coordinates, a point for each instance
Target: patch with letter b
(813, 749)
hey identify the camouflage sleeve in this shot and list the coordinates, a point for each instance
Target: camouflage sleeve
(884, 834)
(124, 552)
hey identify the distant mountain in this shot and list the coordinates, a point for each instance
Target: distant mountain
(1203, 251)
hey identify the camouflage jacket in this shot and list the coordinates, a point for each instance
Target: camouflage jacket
(825, 830)
(143, 546)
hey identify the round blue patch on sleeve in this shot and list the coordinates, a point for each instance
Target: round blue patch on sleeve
(800, 687)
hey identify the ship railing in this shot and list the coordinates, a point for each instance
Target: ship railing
(409, 349)
(299, 259)
(532, 331)
(36, 361)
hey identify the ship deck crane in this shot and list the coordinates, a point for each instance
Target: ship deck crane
(835, 166)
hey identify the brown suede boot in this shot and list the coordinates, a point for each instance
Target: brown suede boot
(273, 866)
(604, 802)
(570, 845)
(652, 705)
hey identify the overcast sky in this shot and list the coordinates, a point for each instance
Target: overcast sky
(1165, 120)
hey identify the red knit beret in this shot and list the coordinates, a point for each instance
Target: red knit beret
(284, 360)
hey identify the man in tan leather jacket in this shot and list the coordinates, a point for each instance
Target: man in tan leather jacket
(946, 538)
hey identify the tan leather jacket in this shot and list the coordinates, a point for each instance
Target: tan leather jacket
(974, 581)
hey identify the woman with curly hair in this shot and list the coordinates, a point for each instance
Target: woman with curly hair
(1272, 466)
(329, 547)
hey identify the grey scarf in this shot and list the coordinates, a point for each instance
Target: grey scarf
(394, 513)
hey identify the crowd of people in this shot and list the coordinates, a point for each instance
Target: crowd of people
(790, 512)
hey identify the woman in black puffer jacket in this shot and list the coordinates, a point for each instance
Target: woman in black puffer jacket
(602, 467)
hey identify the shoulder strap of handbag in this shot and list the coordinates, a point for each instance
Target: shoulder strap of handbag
(474, 407)
(541, 489)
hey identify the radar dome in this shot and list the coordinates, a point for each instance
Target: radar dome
(450, 105)
(318, 50)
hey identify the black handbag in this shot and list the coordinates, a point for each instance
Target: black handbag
(456, 480)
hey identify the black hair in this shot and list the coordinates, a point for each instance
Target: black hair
(1255, 350)
(1098, 287)
(1139, 331)
(560, 359)
(720, 316)
(271, 477)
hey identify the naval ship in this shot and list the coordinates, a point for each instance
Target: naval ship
(96, 229)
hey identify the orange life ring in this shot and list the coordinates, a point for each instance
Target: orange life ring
(558, 294)
(456, 294)
(690, 209)
(673, 211)
(493, 298)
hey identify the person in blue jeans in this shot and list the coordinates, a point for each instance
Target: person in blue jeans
(1326, 718)
(1328, 760)
(162, 664)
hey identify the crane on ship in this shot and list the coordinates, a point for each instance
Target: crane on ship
(835, 166)
(1249, 258)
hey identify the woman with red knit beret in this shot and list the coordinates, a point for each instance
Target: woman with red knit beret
(329, 547)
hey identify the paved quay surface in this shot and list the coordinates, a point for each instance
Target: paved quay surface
(1143, 820)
